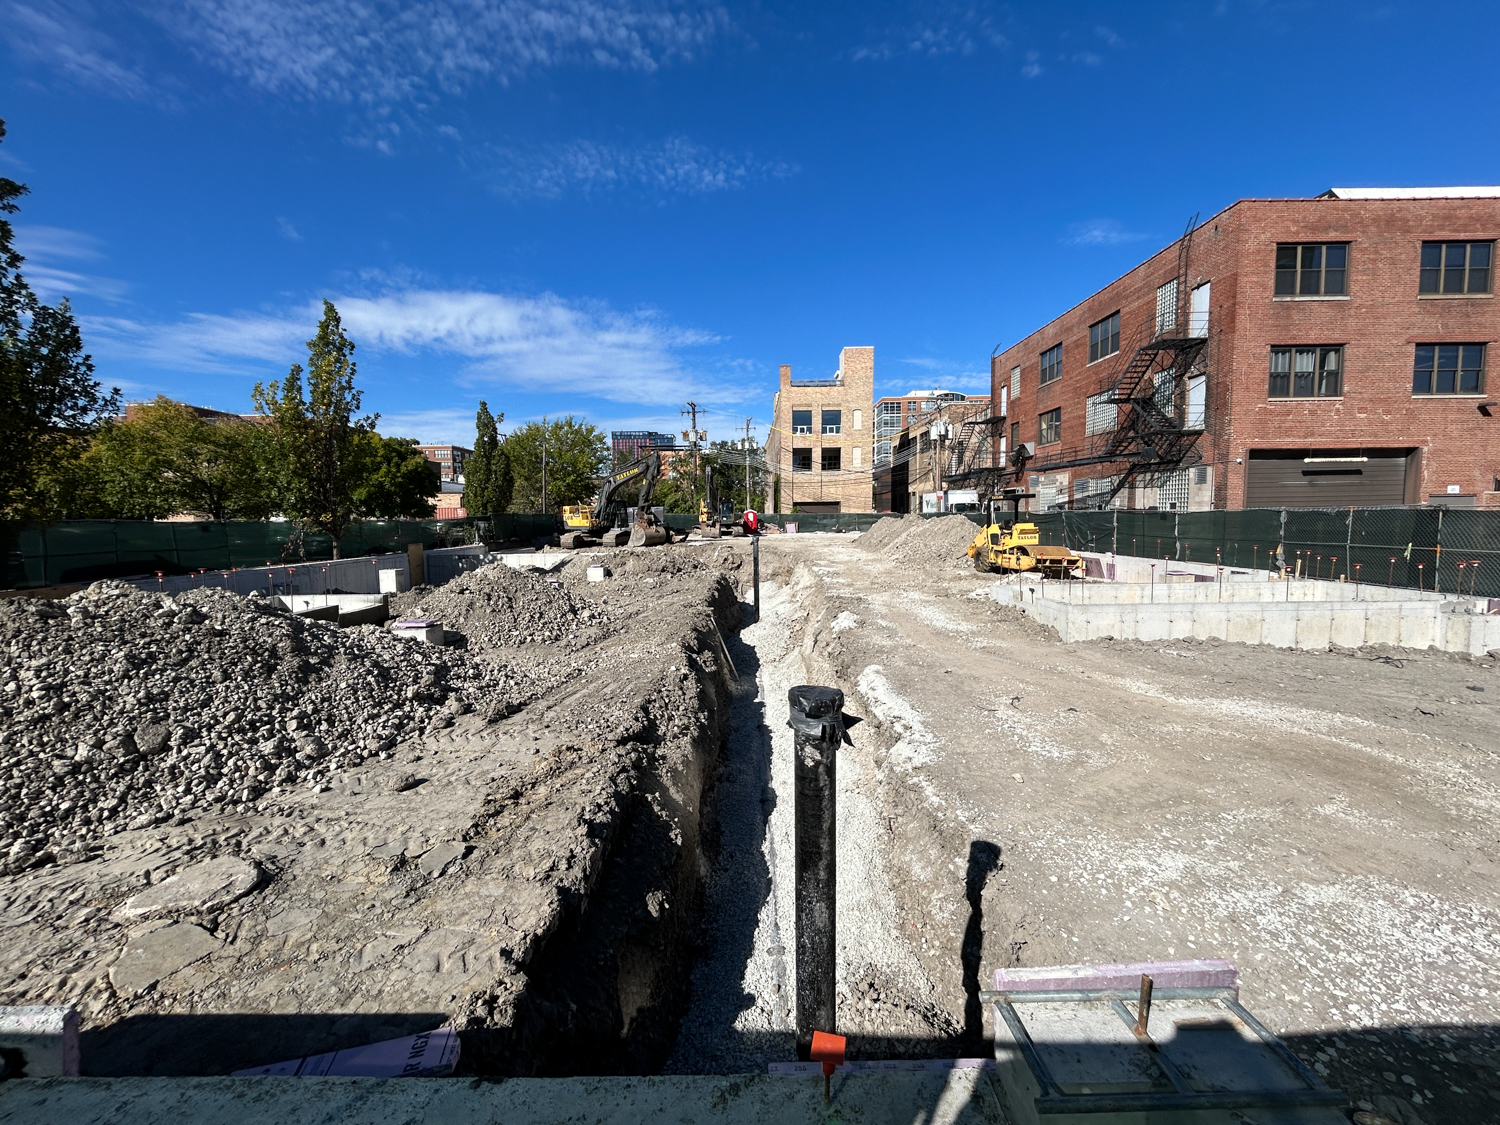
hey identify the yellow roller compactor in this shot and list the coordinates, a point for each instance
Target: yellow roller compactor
(1012, 545)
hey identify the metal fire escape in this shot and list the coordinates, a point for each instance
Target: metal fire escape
(1150, 437)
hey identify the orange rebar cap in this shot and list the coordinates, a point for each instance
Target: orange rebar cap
(828, 1050)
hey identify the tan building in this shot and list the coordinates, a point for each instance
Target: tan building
(821, 445)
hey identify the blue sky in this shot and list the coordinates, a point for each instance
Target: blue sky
(609, 208)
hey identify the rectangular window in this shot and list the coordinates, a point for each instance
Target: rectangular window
(1164, 392)
(1197, 402)
(1307, 372)
(1198, 310)
(1104, 337)
(832, 459)
(859, 419)
(1312, 269)
(1102, 413)
(833, 422)
(1051, 365)
(1049, 427)
(1456, 267)
(1015, 434)
(1015, 381)
(1166, 307)
(802, 460)
(801, 421)
(1448, 369)
(856, 456)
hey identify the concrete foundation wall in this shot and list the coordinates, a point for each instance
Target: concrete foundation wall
(1080, 612)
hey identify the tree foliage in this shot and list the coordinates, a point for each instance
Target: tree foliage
(49, 398)
(320, 443)
(167, 459)
(576, 454)
(395, 479)
(489, 482)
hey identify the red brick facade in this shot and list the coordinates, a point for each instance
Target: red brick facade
(1379, 322)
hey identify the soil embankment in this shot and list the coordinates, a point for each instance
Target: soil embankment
(241, 837)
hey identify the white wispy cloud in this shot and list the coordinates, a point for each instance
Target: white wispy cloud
(287, 231)
(946, 30)
(1033, 66)
(543, 342)
(676, 165)
(1099, 232)
(372, 52)
(44, 247)
(384, 51)
(64, 39)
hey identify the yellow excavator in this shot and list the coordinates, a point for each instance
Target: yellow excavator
(1013, 545)
(610, 521)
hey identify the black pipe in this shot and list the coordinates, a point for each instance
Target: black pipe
(755, 559)
(817, 722)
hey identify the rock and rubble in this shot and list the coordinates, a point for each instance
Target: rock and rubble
(239, 836)
(124, 709)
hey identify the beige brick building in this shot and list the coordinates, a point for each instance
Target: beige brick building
(822, 438)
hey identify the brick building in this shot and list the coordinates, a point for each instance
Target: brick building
(449, 459)
(1289, 353)
(626, 446)
(939, 448)
(895, 413)
(820, 445)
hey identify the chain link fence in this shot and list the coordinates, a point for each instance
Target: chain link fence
(1432, 548)
(88, 550)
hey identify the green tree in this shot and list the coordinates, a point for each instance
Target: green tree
(319, 439)
(489, 482)
(167, 459)
(576, 454)
(396, 481)
(49, 398)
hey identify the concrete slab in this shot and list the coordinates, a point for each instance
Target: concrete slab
(957, 1097)
(38, 1041)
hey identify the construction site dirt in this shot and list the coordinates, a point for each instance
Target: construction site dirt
(1324, 820)
(577, 845)
(512, 846)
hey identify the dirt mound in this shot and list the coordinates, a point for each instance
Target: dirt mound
(124, 709)
(887, 531)
(940, 541)
(497, 606)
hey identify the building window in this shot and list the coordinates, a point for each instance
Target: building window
(802, 460)
(1049, 427)
(833, 422)
(1448, 369)
(1015, 434)
(1102, 413)
(856, 456)
(1312, 269)
(1051, 365)
(832, 459)
(1166, 307)
(1307, 372)
(801, 421)
(1456, 267)
(859, 419)
(1104, 338)
(1197, 402)
(1015, 381)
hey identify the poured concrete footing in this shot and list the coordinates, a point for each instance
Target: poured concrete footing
(958, 1097)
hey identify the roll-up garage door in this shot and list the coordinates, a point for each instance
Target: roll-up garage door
(1326, 478)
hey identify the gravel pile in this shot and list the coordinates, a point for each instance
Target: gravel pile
(497, 606)
(887, 531)
(939, 541)
(121, 709)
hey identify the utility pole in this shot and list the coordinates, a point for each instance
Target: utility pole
(544, 464)
(748, 504)
(692, 436)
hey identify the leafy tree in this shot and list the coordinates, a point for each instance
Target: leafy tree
(320, 442)
(680, 490)
(489, 482)
(396, 481)
(576, 455)
(166, 459)
(49, 397)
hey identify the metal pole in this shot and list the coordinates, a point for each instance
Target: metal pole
(817, 723)
(755, 568)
